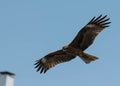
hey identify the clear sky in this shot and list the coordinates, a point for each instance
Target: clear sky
(30, 29)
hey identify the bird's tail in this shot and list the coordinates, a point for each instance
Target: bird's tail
(87, 58)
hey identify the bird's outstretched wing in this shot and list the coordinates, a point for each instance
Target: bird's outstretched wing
(87, 34)
(51, 60)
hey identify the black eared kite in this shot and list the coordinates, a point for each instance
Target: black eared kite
(81, 42)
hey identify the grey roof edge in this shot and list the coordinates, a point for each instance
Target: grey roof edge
(7, 73)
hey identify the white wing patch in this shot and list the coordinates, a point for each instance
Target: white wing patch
(43, 60)
(90, 25)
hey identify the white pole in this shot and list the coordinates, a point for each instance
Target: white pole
(6, 78)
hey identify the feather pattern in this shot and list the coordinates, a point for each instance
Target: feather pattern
(51, 60)
(88, 33)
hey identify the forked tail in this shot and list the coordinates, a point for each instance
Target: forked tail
(87, 58)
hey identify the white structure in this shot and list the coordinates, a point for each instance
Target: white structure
(6, 78)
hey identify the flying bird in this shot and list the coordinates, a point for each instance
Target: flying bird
(81, 42)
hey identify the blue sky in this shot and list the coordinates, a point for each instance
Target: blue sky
(30, 29)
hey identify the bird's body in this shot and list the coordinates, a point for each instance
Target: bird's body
(81, 42)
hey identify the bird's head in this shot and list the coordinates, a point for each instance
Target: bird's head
(65, 47)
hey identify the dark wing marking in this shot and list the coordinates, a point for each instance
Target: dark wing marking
(51, 60)
(86, 35)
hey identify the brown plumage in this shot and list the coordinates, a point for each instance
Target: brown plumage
(82, 41)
